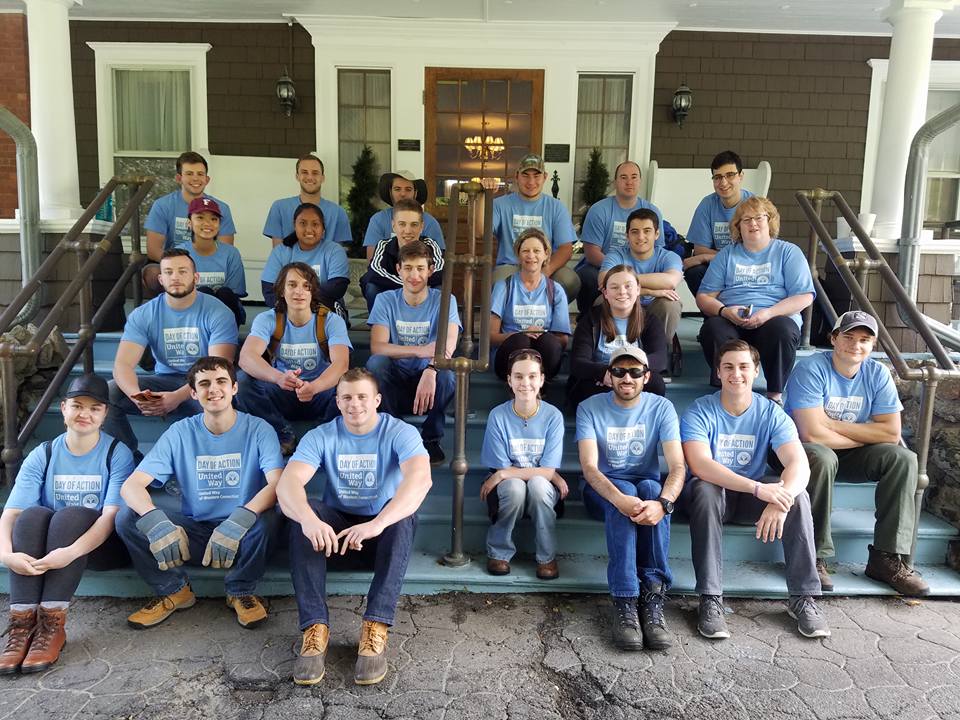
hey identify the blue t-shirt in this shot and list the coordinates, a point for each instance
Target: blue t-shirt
(223, 268)
(529, 307)
(279, 222)
(513, 214)
(662, 260)
(710, 226)
(605, 224)
(298, 348)
(411, 325)
(363, 471)
(216, 473)
(604, 350)
(168, 216)
(178, 338)
(381, 228)
(627, 438)
(328, 260)
(71, 480)
(815, 383)
(511, 441)
(761, 279)
(739, 443)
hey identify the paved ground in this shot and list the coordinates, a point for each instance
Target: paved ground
(496, 656)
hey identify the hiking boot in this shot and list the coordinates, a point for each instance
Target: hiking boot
(437, 456)
(810, 619)
(250, 610)
(20, 629)
(652, 623)
(890, 568)
(548, 570)
(498, 567)
(48, 640)
(826, 582)
(372, 654)
(309, 667)
(159, 609)
(626, 627)
(711, 622)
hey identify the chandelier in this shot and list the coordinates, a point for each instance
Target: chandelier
(484, 149)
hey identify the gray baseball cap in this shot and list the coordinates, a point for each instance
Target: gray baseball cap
(630, 352)
(854, 319)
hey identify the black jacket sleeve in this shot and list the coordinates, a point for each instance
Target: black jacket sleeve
(334, 288)
(653, 339)
(582, 364)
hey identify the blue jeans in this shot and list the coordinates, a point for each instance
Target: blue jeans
(388, 554)
(241, 579)
(637, 553)
(281, 407)
(537, 496)
(398, 386)
(117, 423)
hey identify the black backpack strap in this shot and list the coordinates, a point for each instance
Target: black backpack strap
(48, 452)
(113, 446)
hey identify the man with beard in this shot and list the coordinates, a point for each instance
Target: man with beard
(309, 174)
(178, 327)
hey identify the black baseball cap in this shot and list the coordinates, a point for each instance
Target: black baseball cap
(92, 386)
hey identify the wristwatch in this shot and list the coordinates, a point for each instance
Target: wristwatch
(667, 505)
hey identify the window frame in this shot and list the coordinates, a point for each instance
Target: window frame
(343, 173)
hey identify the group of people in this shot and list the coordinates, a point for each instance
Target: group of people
(734, 456)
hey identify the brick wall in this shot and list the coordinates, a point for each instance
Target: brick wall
(15, 95)
(242, 69)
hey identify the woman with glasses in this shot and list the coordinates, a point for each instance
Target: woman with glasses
(755, 290)
(617, 321)
(528, 309)
(522, 446)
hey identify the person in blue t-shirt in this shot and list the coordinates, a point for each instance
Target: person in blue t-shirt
(528, 309)
(709, 229)
(167, 224)
(617, 437)
(522, 446)
(605, 228)
(846, 407)
(308, 244)
(754, 290)
(403, 335)
(298, 382)
(178, 327)
(58, 521)
(219, 266)
(226, 465)
(310, 176)
(660, 271)
(528, 208)
(378, 474)
(393, 187)
(727, 437)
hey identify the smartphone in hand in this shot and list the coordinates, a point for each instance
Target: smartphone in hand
(746, 312)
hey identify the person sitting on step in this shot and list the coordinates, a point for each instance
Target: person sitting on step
(392, 188)
(219, 266)
(309, 173)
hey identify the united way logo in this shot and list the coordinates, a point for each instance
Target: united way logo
(369, 479)
(636, 447)
(232, 478)
(744, 458)
(849, 417)
(90, 501)
(309, 364)
(193, 349)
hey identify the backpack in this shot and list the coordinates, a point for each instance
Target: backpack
(281, 323)
(48, 452)
(551, 293)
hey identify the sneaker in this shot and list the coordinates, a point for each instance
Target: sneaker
(890, 568)
(309, 667)
(437, 456)
(826, 582)
(711, 622)
(159, 609)
(652, 623)
(250, 610)
(372, 655)
(626, 628)
(810, 619)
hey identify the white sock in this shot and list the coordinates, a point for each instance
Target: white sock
(55, 604)
(22, 607)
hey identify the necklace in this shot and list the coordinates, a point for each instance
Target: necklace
(525, 418)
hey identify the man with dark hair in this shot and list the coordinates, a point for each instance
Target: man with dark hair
(226, 464)
(394, 187)
(178, 327)
(310, 176)
(710, 227)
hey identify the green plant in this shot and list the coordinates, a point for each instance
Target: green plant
(597, 179)
(360, 199)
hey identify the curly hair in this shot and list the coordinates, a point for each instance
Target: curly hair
(308, 274)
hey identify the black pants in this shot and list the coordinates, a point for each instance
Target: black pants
(549, 346)
(579, 389)
(229, 298)
(776, 341)
(37, 531)
(694, 276)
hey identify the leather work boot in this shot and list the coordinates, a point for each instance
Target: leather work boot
(890, 568)
(826, 582)
(251, 610)
(20, 630)
(653, 625)
(48, 640)
(309, 667)
(372, 654)
(626, 628)
(159, 609)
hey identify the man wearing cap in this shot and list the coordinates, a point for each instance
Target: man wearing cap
(846, 407)
(529, 207)
(310, 176)
(393, 187)
(617, 437)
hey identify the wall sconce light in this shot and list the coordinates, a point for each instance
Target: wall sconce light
(682, 102)
(286, 92)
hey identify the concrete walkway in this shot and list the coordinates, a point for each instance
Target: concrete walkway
(505, 656)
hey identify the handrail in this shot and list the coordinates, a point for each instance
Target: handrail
(80, 286)
(464, 364)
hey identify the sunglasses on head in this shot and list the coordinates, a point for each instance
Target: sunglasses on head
(529, 352)
(635, 372)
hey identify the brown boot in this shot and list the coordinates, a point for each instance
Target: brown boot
(372, 655)
(890, 568)
(19, 631)
(48, 640)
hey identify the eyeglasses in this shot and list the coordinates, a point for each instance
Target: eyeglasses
(635, 372)
(525, 352)
(758, 219)
(729, 177)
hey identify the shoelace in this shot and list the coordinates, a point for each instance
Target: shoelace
(20, 630)
(652, 608)
(806, 605)
(713, 607)
(626, 614)
(373, 640)
(248, 602)
(312, 641)
(47, 626)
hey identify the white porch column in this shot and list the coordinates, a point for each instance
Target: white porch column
(51, 107)
(904, 105)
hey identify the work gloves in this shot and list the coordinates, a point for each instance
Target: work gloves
(225, 540)
(168, 542)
